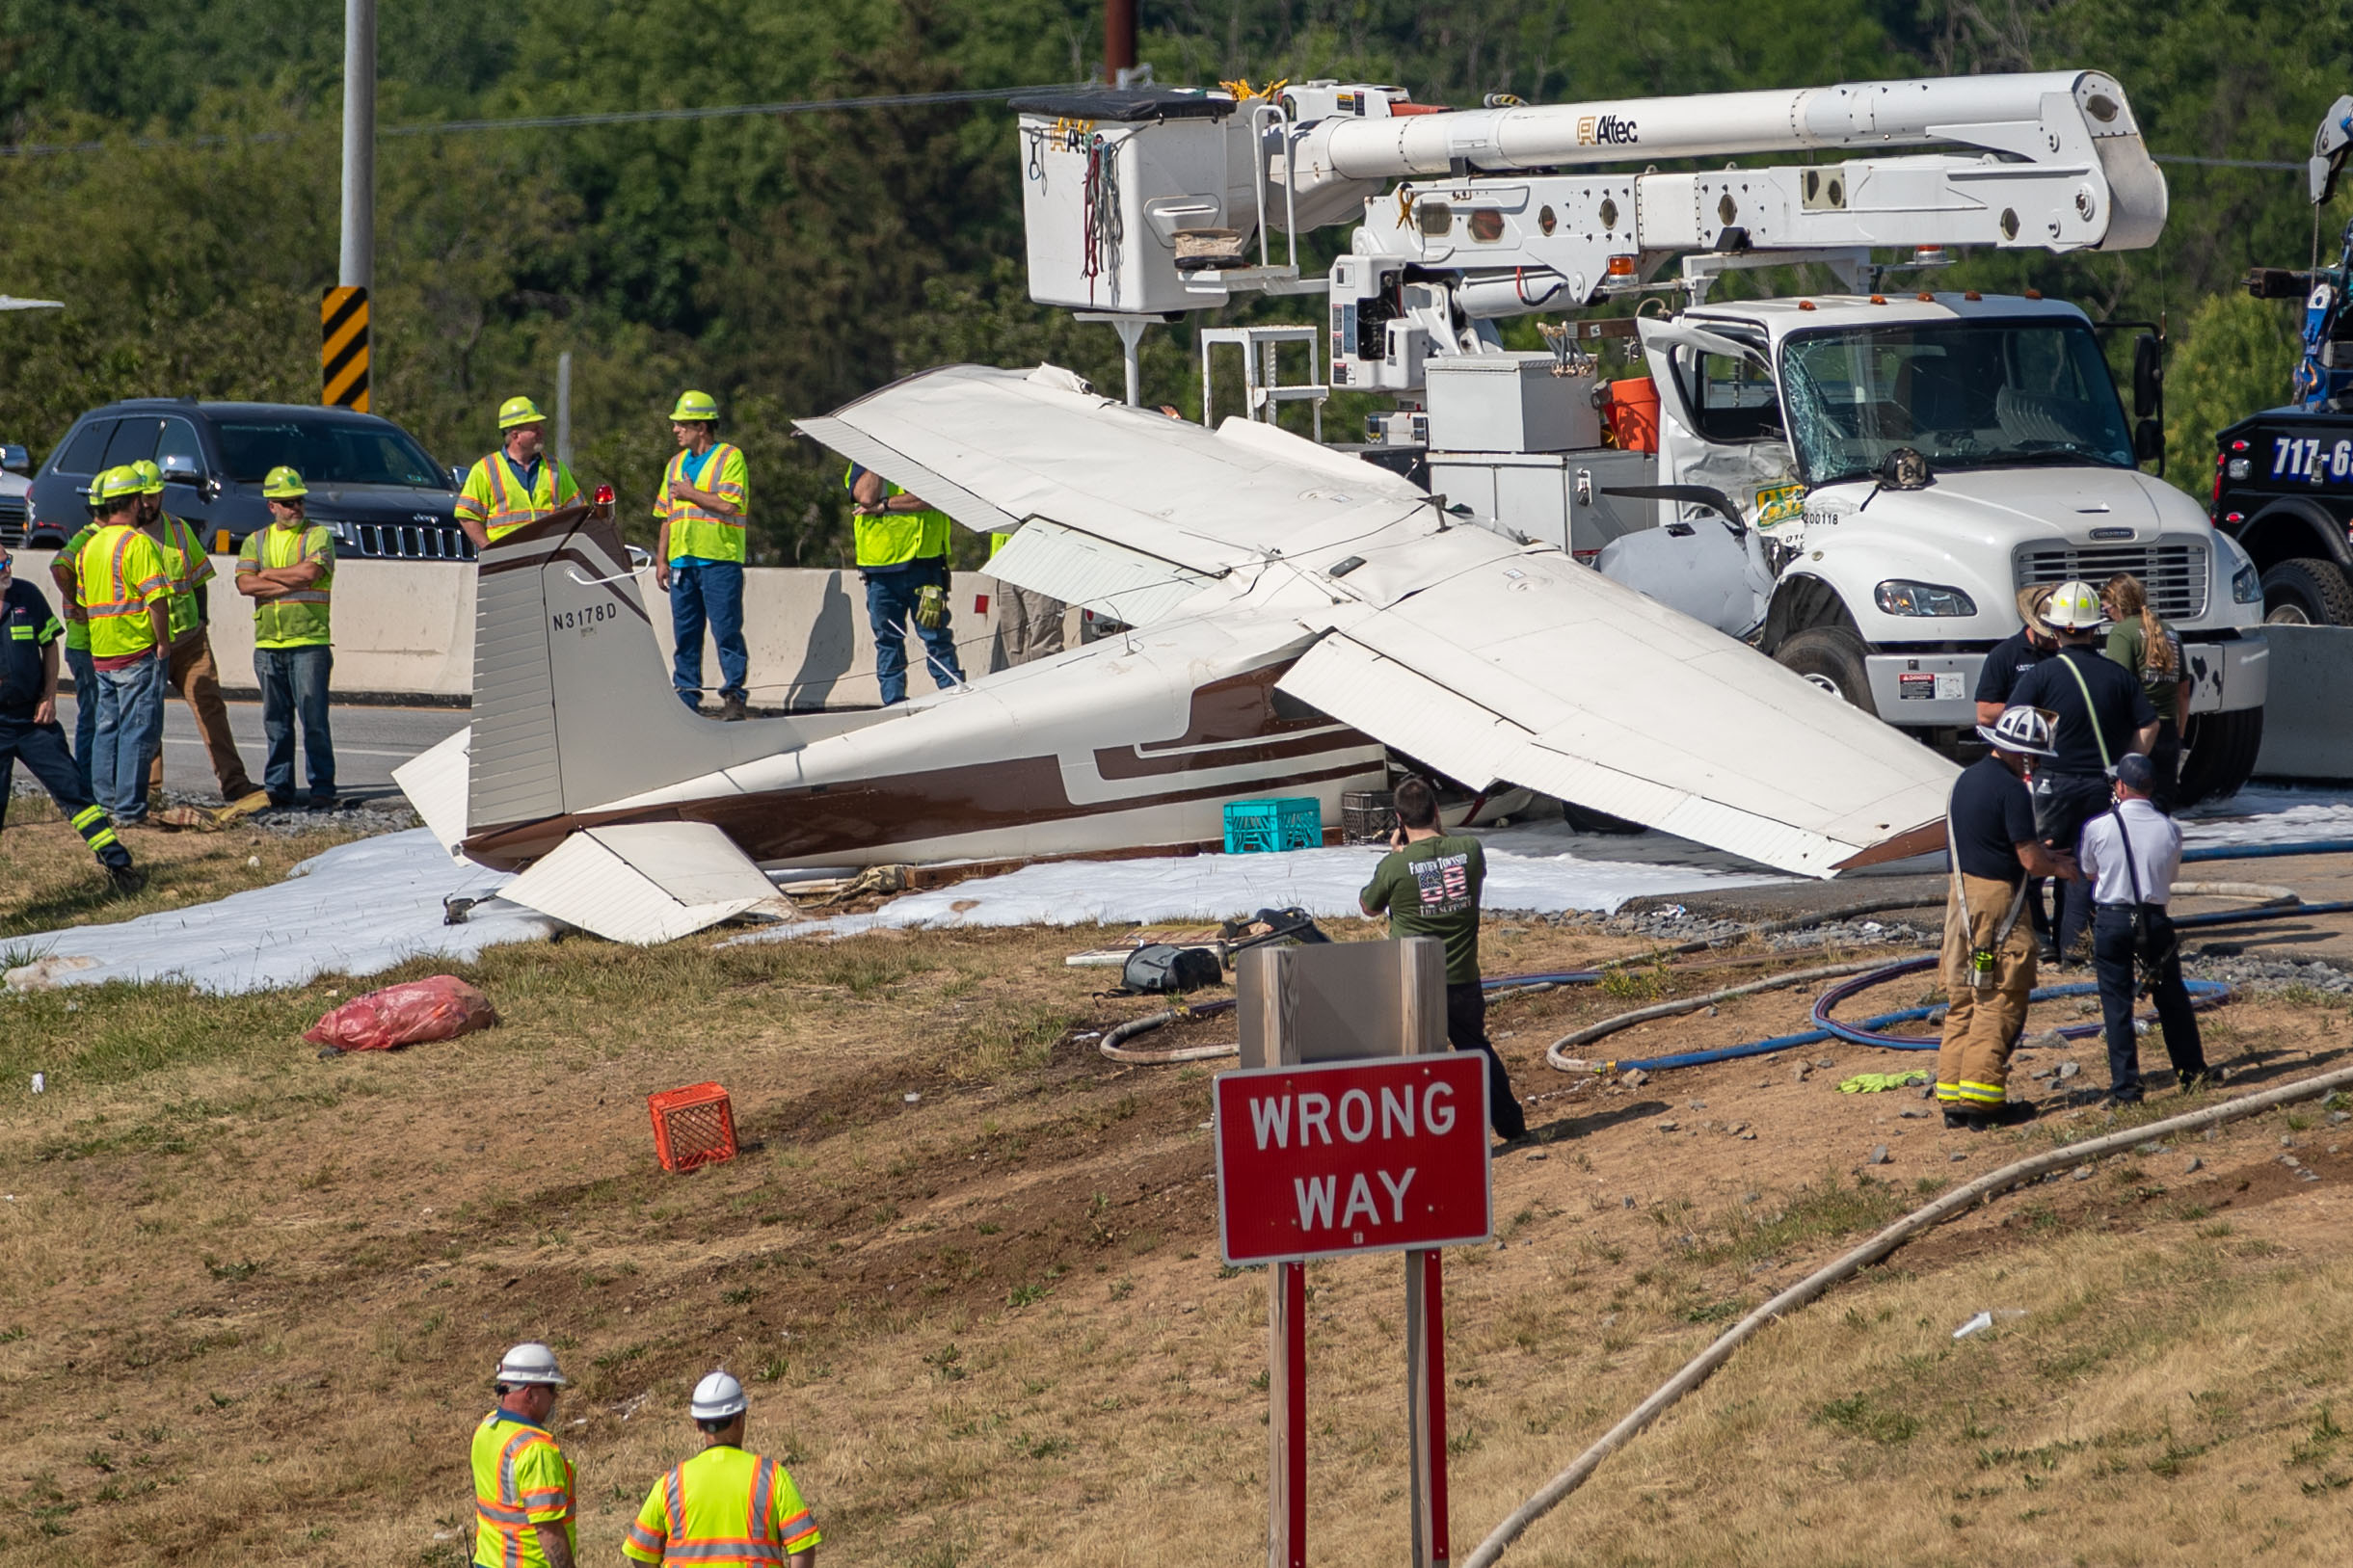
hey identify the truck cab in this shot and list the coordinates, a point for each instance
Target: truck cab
(1895, 468)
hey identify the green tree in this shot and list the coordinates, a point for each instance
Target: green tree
(2235, 358)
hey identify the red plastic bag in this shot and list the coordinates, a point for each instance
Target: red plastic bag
(441, 1008)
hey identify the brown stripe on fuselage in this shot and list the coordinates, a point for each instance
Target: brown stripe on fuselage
(815, 821)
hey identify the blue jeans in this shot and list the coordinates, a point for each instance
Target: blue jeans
(294, 687)
(890, 607)
(85, 710)
(129, 733)
(713, 592)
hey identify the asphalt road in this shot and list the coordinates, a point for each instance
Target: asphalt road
(369, 743)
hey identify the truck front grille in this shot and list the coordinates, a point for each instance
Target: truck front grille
(2174, 573)
(408, 542)
(13, 525)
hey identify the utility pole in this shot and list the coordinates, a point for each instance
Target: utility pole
(1119, 41)
(344, 328)
(358, 265)
(563, 408)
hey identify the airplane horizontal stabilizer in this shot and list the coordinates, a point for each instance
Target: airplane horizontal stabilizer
(643, 882)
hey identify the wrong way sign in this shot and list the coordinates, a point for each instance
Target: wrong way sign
(1336, 1157)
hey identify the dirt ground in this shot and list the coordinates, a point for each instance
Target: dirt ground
(969, 1269)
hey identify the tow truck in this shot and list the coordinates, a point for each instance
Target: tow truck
(2284, 477)
(1858, 481)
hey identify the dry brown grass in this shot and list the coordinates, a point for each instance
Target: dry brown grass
(49, 880)
(248, 1299)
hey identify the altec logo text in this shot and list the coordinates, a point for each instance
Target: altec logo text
(1607, 130)
(1353, 1156)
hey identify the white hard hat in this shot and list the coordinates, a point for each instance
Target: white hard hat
(530, 1363)
(2075, 607)
(2023, 730)
(716, 1397)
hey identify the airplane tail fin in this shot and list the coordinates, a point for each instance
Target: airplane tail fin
(573, 708)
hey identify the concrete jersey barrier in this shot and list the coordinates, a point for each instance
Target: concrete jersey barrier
(405, 630)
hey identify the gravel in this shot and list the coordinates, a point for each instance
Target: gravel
(2269, 974)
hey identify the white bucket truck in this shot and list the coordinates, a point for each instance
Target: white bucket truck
(1860, 481)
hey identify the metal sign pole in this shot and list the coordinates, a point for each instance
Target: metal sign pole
(1426, 1405)
(1287, 1416)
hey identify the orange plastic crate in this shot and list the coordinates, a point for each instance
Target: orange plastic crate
(694, 1125)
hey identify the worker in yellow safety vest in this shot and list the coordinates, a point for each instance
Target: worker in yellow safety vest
(726, 1504)
(288, 570)
(902, 557)
(701, 512)
(77, 635)
(189, 669)
(518, 484)
(125, 595)
(523, 1486)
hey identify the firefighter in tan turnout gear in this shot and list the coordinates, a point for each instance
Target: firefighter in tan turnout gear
(1989, 944)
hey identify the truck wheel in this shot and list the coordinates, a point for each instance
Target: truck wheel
(1832, 658)
(2306, 592)
(2222, 751)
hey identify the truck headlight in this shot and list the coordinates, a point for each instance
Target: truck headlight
(2247, 585)
(1897, 597)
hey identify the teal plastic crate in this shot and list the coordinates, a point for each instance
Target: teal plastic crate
(1286, 822)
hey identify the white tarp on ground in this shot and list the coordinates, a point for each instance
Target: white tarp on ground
(1541, 869)
(360, 908)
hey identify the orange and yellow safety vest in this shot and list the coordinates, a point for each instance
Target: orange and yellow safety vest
(121, 572)
(722, 1506)
(522, 1481)
(497, 497)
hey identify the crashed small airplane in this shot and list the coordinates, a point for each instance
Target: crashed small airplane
(1295, 616)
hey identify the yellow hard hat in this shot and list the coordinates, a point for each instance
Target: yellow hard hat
(150, 477)
(115, 484)
(693, 406)
(520, 411)
(283, 483)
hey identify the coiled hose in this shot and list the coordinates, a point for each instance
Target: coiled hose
(2014, 1174)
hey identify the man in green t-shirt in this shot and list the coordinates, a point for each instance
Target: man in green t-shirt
(1428, 883)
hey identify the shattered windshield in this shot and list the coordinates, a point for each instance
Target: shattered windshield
(1967, 394)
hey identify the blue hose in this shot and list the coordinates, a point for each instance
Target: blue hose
(2210, 993)
(2259, 852)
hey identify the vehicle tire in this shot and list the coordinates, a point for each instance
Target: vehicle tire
(1832, 658)
(2222, 750)
(2306, 592)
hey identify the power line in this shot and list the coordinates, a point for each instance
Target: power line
(2225, 163)
(739, 111)
(623, 117)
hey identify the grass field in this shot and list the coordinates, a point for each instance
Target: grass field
(251, 1298)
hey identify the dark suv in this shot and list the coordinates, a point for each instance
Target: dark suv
(370, 481)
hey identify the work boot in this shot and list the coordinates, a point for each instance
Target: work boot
(126, 878)
(1961, 1121)
(2011, 1114)
(731, 710)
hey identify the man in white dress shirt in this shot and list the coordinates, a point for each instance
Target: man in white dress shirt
(2131, 856)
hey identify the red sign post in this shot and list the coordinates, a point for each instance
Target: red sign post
(1323, 1160)
(1372, 1155)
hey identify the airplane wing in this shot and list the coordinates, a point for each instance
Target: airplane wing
(1487, 658)
(1514, 663)
(995, 449)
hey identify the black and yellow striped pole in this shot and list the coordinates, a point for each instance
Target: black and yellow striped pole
(343, 345)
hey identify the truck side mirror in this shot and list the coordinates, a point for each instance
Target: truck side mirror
(2148, 376)
(180, 468)
(16, 459)
(2149, 441)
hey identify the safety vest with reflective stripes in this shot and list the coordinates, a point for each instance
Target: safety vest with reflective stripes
(495, 496)
(299, 619)
(121, 572)
(77, 630)
(522, 1481)
(893, 539)
(696, 531)
(190, 567)
(724, 1505)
